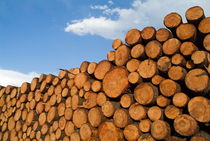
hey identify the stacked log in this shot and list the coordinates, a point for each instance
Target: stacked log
(155, 86)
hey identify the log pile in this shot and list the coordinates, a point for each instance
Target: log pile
(155, 86)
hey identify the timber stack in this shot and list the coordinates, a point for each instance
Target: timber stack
(154, 86)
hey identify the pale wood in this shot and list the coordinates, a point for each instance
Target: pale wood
(116, 43)
(160, 129)
(163, 35)
(137, 111)
(187, 48)
(91, 67)
(186, 32)
(155, 113)
(147, 68)
(171, 112)
(132, 65)
(95, 116)
(180, 99)
(178, 59)
(138, 51)
(101, 69)
(194, 15)
(126, 100)
(84, 66)
(171, 46)
(177, 73)
(206, 42)
(121, 118)
(204, 26)
(122, 55)
(145, 125)
(148, 33)
(153, 49)
(133, 37)
(131, 132)
(162, 101)
(79, 117)
(185, 125)
(169, 87)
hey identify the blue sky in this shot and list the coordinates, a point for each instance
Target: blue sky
(41, 36)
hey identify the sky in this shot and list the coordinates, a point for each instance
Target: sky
(42, 36)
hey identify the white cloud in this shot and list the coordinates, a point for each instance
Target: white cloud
(99, 7)
(11, 77)
(139, 15)
(110, 2)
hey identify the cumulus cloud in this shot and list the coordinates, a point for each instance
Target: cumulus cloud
(11, 77)
(139, 15)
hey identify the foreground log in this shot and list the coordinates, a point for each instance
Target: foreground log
(160, 130)
(133, 37)
(115, 82)
(108, 131)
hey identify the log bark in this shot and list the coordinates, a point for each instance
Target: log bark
(194, 15)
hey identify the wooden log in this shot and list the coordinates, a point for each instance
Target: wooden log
(178, 59)
(153, 49)
(122, 55)
(134, 78)
(145, 125)
(61, 109)
(147, 68)
(56, 81)
(197, 80)
(74, 91)
(121, 118)
(137, 111)
(51, 114)
(199, 108)
(194, 15)
(101, 98)
(49, 78)
(85, 132)
(157, 79)
(187, 48)
(62, 123)
(108, 131)
(81, 92)
(64, 83)
(91, 100)
(30, 117)
(171, 112)
(171, 46)
(108, 108)
(11, 123)
(80, 79)
(95, 117)
(63, 73)
(200, 136)
(133, 37)
(163, 35)
(186, 32)
(116, 43)
(44, 129)
(145, 93)
(91, 67)
(25, 87)
(146, 137)
(42, 77)
(96, 86)
(155, 113)
(138, 51)
(185, 125)
(160, 129)
(102, 68)
(9, 88)
(115, 82)
(42, 119)
(111, 56)
(35, 84)
(68, 102)
(162, 101)
(200, 58)
(169, 87)
(75, 136)
(172, 21)
(206, 42)
(126, 100)
(204, 26)
(190, 65)
(164, 63)
(84, 66)
(180, 99)
(131, 132)
(65, 92)
(74, 71)
(44, 87)
(148, 33)
(79, 117)
(68, 113)
(75, 102)
(132, 65)
(177, 73)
